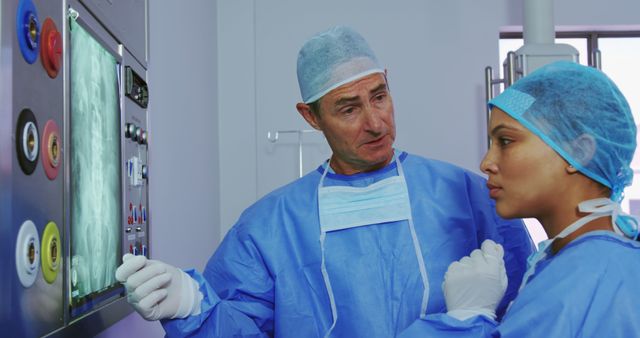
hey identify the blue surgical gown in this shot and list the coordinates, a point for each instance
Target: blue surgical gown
(265, 278)
(588, 289)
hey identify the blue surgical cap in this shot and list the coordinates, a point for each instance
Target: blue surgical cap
(332, 58)
(564, 102)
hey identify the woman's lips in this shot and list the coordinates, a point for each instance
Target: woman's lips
(494, 190)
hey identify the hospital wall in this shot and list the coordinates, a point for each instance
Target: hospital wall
(222, 75)
(435, 53)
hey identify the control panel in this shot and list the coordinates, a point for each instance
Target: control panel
(74, 170)
(136, 162)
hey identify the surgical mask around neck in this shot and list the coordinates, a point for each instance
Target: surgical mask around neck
(345, 207)
(621, 223)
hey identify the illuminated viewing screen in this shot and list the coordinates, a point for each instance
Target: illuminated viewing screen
(95, 167)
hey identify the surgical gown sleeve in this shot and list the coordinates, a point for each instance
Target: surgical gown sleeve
(443, 325)
(244, 306)
(587, 290)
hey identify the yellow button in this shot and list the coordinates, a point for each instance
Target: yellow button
(51, 252)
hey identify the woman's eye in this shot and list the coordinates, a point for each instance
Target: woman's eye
(503, 141)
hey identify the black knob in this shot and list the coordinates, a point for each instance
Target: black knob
(129, 130)
(137, 134)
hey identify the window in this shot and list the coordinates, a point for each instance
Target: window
(619, 54)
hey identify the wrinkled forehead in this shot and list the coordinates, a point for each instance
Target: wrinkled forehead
(364, 85)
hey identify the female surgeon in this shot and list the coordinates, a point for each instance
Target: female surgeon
(562, 140)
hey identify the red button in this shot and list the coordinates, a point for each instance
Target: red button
(51, 50)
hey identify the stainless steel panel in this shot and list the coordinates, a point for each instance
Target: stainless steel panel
(38, 309)
(43, 309)
(136, 218)
(126, 20)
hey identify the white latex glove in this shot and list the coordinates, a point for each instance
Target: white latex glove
(476, 284)
(158, 290)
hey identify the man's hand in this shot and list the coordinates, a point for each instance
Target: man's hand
(158, 290)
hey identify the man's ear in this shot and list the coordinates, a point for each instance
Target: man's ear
(308, 115)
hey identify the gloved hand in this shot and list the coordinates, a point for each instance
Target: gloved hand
(158, 290)
(476, 284)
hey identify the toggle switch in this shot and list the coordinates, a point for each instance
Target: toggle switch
(135, 171)
(129, 166)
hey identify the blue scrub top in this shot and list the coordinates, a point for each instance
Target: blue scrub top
(265, 279)
(588, 289)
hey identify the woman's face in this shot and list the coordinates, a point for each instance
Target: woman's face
(525, 176)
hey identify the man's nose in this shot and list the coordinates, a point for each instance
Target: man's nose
(373, 122)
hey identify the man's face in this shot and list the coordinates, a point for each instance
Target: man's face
(357, 121)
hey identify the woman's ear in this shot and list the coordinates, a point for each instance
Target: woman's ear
(571, 169)
(584, 147)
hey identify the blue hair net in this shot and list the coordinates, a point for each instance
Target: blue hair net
(572, 107)
(332, 58)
